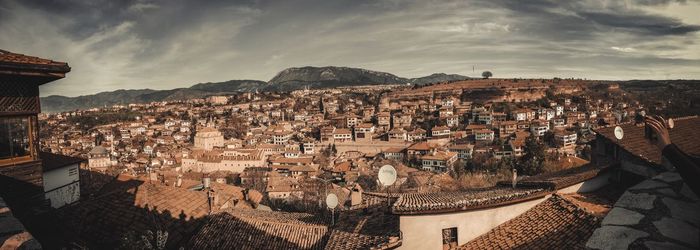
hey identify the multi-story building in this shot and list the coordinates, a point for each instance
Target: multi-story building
(397, 134)
(565, 138)
(539, 128)
(484, 135)
(364, 132)
(464, 151)
(99, 159)
(401, 120)
(507, 128)
(438, 161)
(208, 138)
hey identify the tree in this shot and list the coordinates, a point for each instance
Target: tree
(548, 137)
(532, 162)
(487, 74)
(333, 149)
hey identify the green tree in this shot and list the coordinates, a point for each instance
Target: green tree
(487, 74)
(532, 162)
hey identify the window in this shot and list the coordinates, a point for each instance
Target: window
(15, 137)
(449, 238)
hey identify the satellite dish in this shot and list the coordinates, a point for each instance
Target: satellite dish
(331, 200)
(619, 133)
(387, 175)
(670, 122)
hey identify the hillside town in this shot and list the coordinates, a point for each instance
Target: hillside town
(253, 169)
(343, 135)
(478, 164)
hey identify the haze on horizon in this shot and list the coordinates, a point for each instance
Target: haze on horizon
(168, 44)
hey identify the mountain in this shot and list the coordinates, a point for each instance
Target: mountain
(286, 80)
(230, 86)
(60, 103)
(438, 77)
(330, 77)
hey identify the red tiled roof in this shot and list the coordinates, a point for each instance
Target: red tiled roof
(134, 206)
(553, 224)
(563, 178)
(19, 64)
(685, 134)
(421, 203)
(342, 240)
(227, 231)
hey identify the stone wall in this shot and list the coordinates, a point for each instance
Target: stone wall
(13, 235)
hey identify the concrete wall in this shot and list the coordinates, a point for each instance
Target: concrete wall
(425, 231)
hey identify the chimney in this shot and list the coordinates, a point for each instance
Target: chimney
(515, 177)
(207, 182)
(210, 200)
(245, 194)
(179, 181)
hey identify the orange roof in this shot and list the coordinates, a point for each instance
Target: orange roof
(563, 223)
(342, 167)
(439, 156)
(19, 64)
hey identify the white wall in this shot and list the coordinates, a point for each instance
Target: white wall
(60, 177)
(62, 185)
(425, 231)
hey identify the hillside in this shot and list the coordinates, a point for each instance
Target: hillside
(329, 77)
(438, 77)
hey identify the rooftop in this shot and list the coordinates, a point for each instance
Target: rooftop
(443, 202)
(19, 64)
(556, 223)
(685, 135)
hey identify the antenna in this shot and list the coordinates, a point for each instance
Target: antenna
(387, 177)
(332, 203)
(619, 133)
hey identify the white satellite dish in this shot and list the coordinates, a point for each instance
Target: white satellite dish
(331, 200)
(670, 122)
(387, 175)
(619, 133)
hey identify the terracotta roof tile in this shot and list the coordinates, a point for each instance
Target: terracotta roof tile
(685, 134)
(555, 223)
(15, 63)
(418, 203)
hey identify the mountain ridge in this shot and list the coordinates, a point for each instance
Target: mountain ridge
(289, 79)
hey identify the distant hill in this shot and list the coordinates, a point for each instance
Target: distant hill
(230, 86)
(438, 77)
(286, 80)
(329, 77)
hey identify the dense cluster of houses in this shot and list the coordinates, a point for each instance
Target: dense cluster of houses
(297, 136)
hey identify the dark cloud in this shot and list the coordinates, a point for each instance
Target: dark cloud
(164, 44)
(640, 23)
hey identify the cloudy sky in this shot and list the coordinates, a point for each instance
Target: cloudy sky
(119, 44)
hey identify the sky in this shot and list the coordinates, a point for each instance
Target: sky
(121, 44)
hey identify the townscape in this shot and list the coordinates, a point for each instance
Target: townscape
(285, 145)
(571, 125)
(274, 157)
